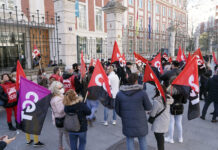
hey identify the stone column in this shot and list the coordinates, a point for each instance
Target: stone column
(114, 11)
(197, 37)
(65, 9)
(172, 31)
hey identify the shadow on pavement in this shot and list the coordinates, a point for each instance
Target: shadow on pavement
(121, 145)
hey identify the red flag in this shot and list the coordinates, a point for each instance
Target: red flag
(83, 66)
(170, 60)
(100, 79)
(139, 59)
(165, 56)
(35, 52)
(150, 76)
(156, 62)
(116, 53)
(189, 76)
(123, 59)
(20, 73)
(189, 58)
(92, 63)
(183, 53)
(199, 56)
(180, 56)
(214, 58)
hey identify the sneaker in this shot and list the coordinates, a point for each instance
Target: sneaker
(38, 144)
(114, 122)
(169, 140)
(105, 123)
(30, 142)
(181, 140)
(203, 118)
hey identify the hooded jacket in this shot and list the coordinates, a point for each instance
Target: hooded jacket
(212, 88)
(161, 123)
(130, 104)
(81, 110)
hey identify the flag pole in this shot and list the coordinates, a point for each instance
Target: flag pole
(86, 97)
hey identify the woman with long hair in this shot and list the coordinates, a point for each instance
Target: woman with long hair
(74, 104)
(161, 122)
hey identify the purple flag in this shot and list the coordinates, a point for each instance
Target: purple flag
(32, 107)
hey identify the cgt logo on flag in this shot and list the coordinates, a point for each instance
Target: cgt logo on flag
(32, 106)
(28, 105)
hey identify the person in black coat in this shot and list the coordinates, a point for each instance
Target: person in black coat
(212, 88)
(130, 104)
(74, 104)
(173, 72)
(209, 99)
(203, 80)
(180, 95)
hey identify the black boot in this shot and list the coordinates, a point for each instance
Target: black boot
(18, 126)
(10, 127)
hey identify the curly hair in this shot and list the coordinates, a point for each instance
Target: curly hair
(71, 98)
(54, 88)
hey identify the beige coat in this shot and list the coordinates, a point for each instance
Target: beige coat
(57, 107)
(161, 123)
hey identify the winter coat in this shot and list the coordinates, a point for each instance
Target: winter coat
(4, 96)
(68, 81)
(212, 88)
(180, 96)
(204, 78)
(57, 107)
(81, 110)
(166, 76)
(42, 81)
(161, 123)
(130, 104)
(114, 83)
(55, 77)
(2, 145)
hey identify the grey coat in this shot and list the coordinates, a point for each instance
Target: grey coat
(131, 104)
(161, 123)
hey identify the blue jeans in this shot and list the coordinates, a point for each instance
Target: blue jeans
(106, 114)
(2, 103)
(74, 140)
(175, 119)
(142, 143)
(93, 106)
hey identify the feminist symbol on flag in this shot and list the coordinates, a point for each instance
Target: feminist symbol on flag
(100, 81)
(157, 65)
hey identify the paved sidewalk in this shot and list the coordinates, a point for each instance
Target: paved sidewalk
(198, 134)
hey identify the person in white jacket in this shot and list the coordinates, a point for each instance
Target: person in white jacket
(114, 84)
(58, 110)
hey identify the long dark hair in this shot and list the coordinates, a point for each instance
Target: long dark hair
(157, 93)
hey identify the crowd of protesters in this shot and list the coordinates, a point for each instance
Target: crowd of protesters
(129, 101)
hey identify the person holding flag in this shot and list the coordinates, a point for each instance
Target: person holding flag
(130, 104)
(8, 94)
(114, 84)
